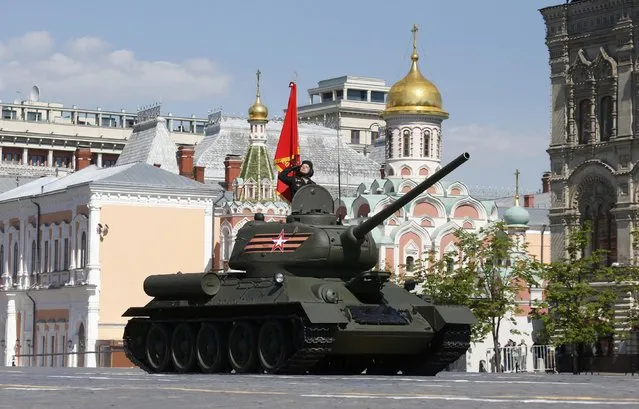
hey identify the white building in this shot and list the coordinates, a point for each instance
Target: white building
(351, 104)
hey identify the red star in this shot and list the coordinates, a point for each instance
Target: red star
(278, 243)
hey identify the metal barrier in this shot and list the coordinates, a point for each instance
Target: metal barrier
(103, 358)
(522, 358)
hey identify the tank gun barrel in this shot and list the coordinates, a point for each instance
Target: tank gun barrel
(361, 230)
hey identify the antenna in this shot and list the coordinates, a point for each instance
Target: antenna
(339, 170)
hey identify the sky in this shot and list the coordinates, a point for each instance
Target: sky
(488, 59)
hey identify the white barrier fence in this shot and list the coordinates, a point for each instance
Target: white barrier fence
(521, 358)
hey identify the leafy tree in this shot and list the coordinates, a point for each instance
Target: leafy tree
(581, 294)
(484, 274)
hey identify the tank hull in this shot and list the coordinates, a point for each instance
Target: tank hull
(299, 326)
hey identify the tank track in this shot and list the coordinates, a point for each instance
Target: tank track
(449, 344)
(315, 344)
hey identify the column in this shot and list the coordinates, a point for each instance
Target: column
(93, 317)
(73, 249)
(25, 156)
(10, 334)
(6, 278)
(93, 243)
(99, 160)
(50, 158)
(22, 272)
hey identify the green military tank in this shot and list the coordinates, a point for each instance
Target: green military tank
(304, 298)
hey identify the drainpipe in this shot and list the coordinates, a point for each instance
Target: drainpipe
(543, 229)
(33, 328)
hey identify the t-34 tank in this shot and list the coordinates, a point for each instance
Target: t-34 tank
(304, 299)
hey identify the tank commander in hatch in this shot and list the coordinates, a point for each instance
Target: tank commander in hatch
(301, 177)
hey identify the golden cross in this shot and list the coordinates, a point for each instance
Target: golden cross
(517, 187)
(258, 81)
(414, 31)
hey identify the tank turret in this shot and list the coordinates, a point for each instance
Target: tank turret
(312, 243)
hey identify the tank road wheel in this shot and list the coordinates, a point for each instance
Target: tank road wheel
(211, 348)
(243, 347)
(158, 349)
(273, 346)
(183, 348)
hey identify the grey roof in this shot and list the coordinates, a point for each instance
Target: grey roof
(135, 175)
(317, 143)
(151, 143)
(11, 182)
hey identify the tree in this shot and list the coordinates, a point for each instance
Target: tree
(486, 273)
(581, 295)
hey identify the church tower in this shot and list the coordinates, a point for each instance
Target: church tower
(256, 181)
(516, 219)
(413, 118)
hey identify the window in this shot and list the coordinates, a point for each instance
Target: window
(355, 136)
(426, 142)
(56, 255)
(16, 262)
(66, 254)
(406, 143)
(33, 256)
(34, 116)
(605, 118)
(356, 95)
(378, 96)
(45, 268)
(83, 250)
(1, 259)
(374, 136)
(389, 143)
(410, 263)
(584, 121)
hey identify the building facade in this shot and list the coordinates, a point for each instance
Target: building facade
(39, 138)
(592, 150)
(75, 250)
(350, 104)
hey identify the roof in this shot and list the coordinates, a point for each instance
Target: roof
(151, 143)
(136, 175)
(319, 144)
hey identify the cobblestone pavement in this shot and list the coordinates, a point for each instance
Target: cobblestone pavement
(70, 388)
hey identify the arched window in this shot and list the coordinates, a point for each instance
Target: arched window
(605, 118)
(584, 120)
(16, 261)
(33, 257)
(83, 250)
(426, 142)
(406, 143)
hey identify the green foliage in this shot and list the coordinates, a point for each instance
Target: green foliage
(484, 275)
(581, 293)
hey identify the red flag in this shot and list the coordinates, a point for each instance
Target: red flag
(288, 148)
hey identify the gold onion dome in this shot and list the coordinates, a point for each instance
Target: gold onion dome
(258, 111)
(414, 94)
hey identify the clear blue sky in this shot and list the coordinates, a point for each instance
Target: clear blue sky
(488, 58)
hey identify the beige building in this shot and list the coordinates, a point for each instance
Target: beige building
(75, 249)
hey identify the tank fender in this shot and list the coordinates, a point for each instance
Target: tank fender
(440, 315)
(320, 313)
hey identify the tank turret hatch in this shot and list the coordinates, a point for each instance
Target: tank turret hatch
(313, 204)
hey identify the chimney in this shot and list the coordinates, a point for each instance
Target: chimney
(232, 166)
(82, 158)
(185, 161)
(382, 171)
(529, 200)
(199, 173)
(545, 182)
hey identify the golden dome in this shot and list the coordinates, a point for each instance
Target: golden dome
(258, 111)
(414, 94)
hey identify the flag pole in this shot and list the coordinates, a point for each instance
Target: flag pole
(339, 169)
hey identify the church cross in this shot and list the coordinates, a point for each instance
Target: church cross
(414, 31)
(517, 187)
(258, 82)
